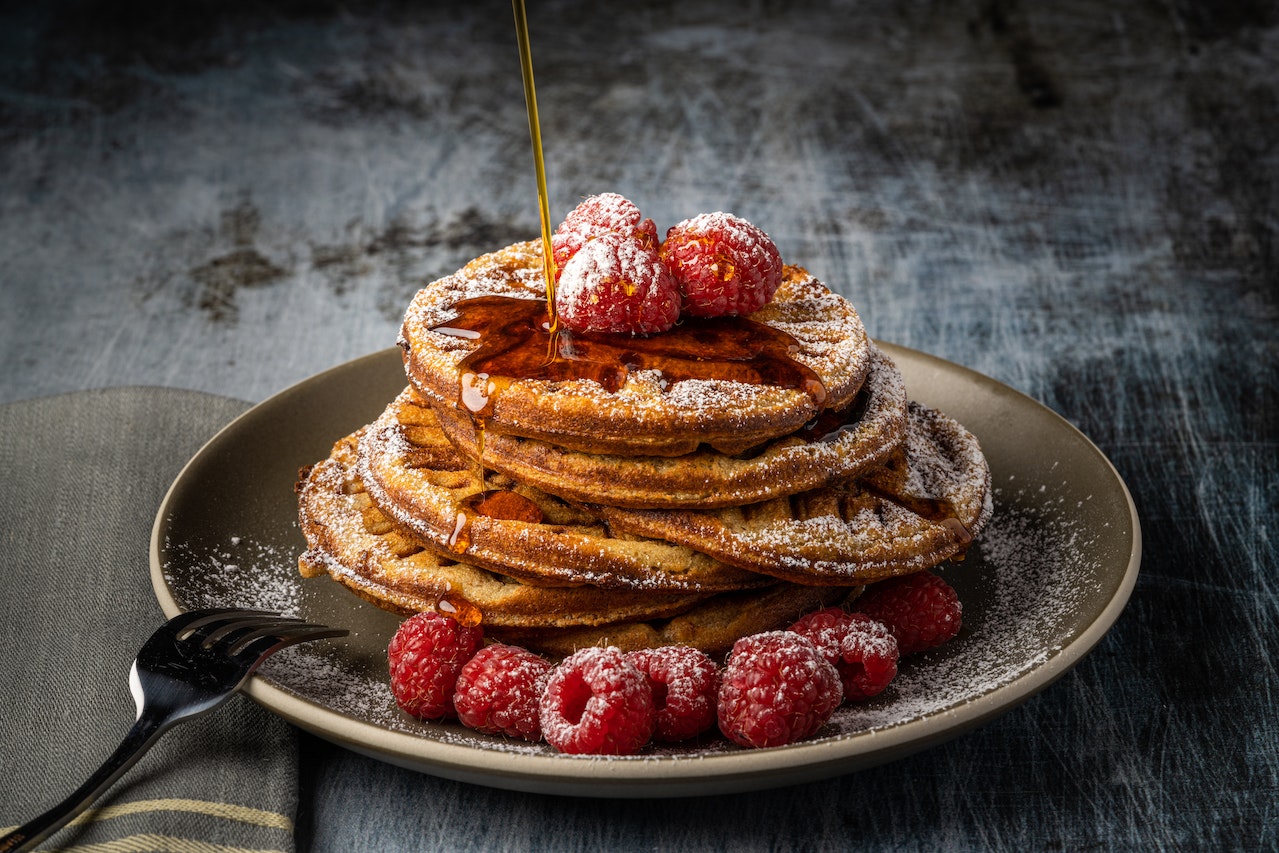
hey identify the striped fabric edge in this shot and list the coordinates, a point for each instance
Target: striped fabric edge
(153, 843)
(146, 843)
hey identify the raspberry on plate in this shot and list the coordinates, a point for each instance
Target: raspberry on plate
(722, 264)
(863, 651)
(597, 703)
(606, 213)
(499, 689)
(921, 609)
(425, 656)
(617, 284)
(685, 685)
(777, 689)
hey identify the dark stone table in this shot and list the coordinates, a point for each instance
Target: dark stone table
(1079, 199)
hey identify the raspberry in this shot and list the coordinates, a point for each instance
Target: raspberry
(921, 610)
(597, 215)
(499, 689)
(597, 703)
(722, 264)
(862, 650)
(608, 273)
(777, 689)
(616, 284)
(425, 656)
(685, 683)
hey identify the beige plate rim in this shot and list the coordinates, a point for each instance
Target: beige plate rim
(230, 492)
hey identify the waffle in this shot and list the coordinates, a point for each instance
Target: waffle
(924, 506)
(356, 544)
(712, 626)
(647, 413)
(829, 450)
(416, 477)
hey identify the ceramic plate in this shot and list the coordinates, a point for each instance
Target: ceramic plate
(1041, 587)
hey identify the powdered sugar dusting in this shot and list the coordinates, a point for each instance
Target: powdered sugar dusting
(886, 523)
(238, 572)
(607, 213)
(1041, 571)
(718, 220)
(1022, 585)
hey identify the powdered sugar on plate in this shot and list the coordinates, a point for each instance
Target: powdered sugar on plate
(1020, 585)
(240, 572)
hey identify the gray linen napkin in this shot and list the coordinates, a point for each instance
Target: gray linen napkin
(81, 477)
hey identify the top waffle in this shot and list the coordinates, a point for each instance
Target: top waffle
(804, 352)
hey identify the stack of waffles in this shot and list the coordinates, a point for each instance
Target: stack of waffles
(692, 487)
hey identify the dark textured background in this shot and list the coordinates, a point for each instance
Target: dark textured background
(1080, 199)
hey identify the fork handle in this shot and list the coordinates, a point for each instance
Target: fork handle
(144, 732)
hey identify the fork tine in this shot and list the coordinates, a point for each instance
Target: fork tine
(265, 644)
(247, 635)
(194, 619)
(200, 623)
(240, 624)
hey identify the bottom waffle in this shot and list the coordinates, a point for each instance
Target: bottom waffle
(356, 544)
(712, 626)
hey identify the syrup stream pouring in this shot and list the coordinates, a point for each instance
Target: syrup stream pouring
(535, 134)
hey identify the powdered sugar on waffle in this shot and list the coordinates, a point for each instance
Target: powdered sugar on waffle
(849, 532)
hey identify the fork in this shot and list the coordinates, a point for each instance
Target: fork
(192, 664)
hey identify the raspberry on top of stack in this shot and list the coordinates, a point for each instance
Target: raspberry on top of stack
(693, 446)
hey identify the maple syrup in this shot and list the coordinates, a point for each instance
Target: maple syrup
(460, 539)
(830, 424)
(505, 505)
(501, 504)
(514, 337)
(521, 339)
(459, 609)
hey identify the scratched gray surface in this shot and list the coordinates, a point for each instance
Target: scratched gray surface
(1080, 199)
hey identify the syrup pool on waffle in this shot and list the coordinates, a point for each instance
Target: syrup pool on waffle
(514, 337)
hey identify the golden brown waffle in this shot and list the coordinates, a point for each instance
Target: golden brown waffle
(352, 541)
(829, 450)
(421, 481)
(923, 507)
(712, 626)
(648, 413)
